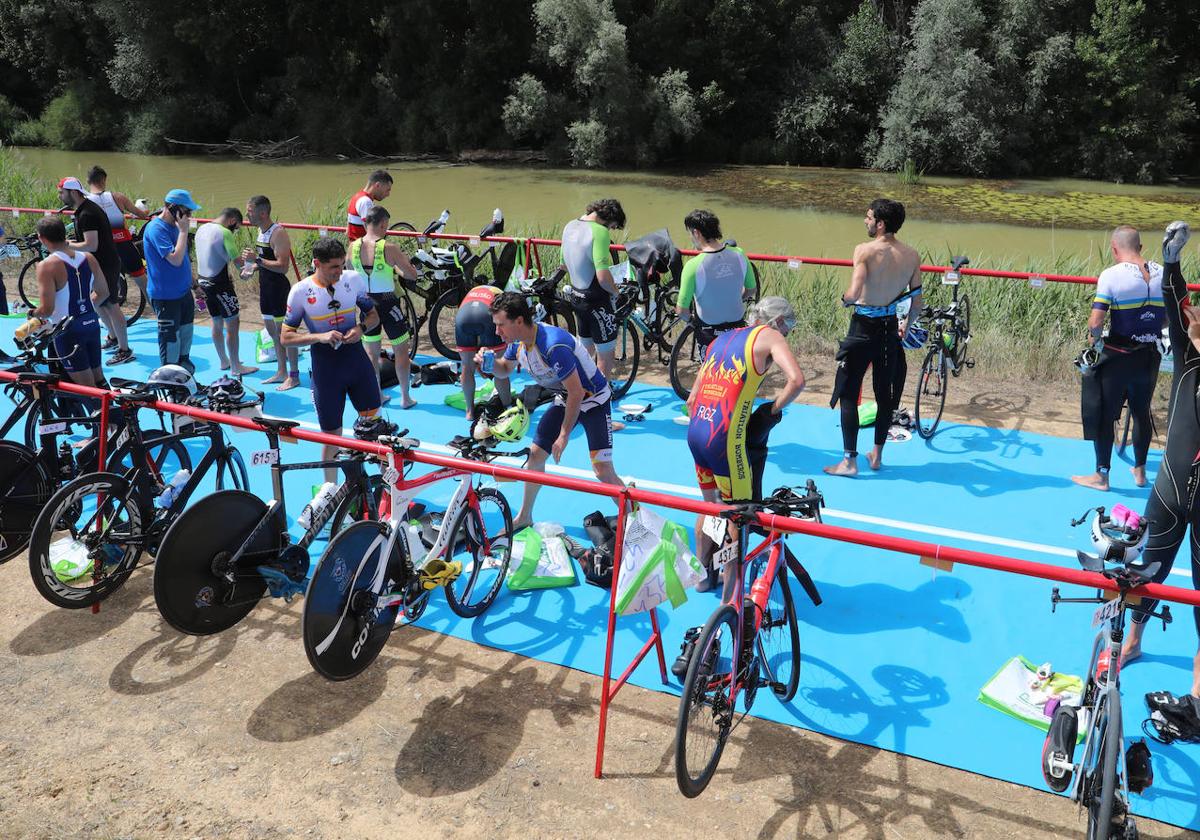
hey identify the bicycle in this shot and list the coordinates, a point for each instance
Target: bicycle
(949, 336)
(106, 520)
(1102, 777)
(209, 579)
(368, 575)
(751, 640)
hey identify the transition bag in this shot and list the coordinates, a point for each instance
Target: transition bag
(656, 563)
(1009, 691)
(264, 348)
(540, 559)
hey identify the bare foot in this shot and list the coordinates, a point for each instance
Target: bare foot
(243, 370)
(1139, 475)
(288, 384)
(224, 365)
(1094, 481)
(278, 377)
(518, 526)
(384, 399)
(408, 404)
(617, 425)
(1130, 652)
(844, 467)
(874, 461)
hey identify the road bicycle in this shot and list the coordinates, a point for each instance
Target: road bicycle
(106, 520)
(376, 574)
(208, 579)
(1100, 782)
(949, 336)
(751, 641)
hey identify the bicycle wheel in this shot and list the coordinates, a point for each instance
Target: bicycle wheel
(231, 470)
(964, 314)
(441, 322)
(686, 358)
(560, 314)
(931, 393)
(27, 286)
(64, 406)
(410, 314)
(1100, 779)
(408, 244)
(779, 638)
(130, 297)
(705, 707)
(479, 539)
(191, 576)
(627, 353)
(96, 517)
(163, 459)
(354, 508)
(343, 624)
(666, 323)
(25, 487)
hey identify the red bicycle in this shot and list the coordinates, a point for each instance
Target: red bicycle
(751, 641)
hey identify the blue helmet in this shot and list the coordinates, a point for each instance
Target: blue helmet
(915, 338)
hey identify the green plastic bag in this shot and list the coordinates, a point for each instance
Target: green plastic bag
(867, 412)
(539, 562)
(457, 399)
(1009, 691)
(264, 348)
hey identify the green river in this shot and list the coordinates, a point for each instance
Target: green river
(1041, 224)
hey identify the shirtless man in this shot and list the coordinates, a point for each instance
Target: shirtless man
(885, 271)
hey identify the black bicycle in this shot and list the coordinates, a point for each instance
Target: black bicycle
(949, 336)
(91, 534)
(208, 579)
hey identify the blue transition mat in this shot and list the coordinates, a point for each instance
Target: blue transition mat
(896, 655)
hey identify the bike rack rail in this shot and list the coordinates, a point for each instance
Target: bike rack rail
(933, 554)
(530, 245)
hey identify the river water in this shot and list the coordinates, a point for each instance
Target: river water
(1036, 224)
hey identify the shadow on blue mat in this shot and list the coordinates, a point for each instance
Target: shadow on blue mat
(874, 607)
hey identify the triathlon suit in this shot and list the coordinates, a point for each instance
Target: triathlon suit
(89, 216)
(716, 280)
(360, 203)
(337, 372)
(474, 328)
(215, 248)
(873, 341)
(585, 250)
(131, 260)
(726, 435)
(381, 286)
(273, 286)
(1128, 365)
(555, 356)
(79, 345)
(1172, 507)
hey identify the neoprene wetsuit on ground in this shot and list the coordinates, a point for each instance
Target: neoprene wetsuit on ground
(1172, 507)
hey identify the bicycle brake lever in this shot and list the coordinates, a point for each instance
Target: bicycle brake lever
(1166, 617)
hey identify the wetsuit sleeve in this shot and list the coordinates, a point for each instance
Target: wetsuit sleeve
(295, 307)
(1175, 295)
(687, 281)
(601, 242)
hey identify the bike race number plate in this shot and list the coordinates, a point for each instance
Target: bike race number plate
(1106, 612)
(391, 475)
(717, 530)
(265, 458)
(52, 428)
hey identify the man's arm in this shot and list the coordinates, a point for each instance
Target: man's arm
(45, 282)
(370, 319)
(1100, 306)
(129, 207)
(177, 255)
(281, 244)
(99, 281)
(602, 260)
(779, 352)
(687, 285)
(858, 277)
(574, 385)
(290, 336)
(749, 282)
(89, 243)
(398, 260)
(914, 306)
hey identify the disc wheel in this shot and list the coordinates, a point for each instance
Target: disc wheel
(344, 625)
(25, 487)
(195, 560)
(93, 521)
(779, 638)
(931, 393)
(706, 707)
(627, 354)
(686, 358)
(479, 539)
(441, 323)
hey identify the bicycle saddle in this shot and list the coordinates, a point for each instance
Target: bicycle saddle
(276, 424)
(958, 262)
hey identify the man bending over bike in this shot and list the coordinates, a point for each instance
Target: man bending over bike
(558, 361)
(327, 303)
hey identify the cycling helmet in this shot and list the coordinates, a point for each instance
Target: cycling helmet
(174, 381)
(1121, 537)
(226, 389)
(915, 338)
(370, 428)
(1087, 359)
(512, 424)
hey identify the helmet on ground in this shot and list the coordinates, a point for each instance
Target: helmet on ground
(512, 424)
(174, 381)
(226, 388)
(1121, 537)
(915, 338)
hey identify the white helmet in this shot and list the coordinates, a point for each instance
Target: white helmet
(174, 381)
(1121, 537)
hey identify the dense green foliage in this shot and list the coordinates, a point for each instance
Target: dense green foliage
(1100, 88)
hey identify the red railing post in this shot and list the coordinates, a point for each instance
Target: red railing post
(605, 695)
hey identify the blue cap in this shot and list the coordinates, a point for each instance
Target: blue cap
(182, 197)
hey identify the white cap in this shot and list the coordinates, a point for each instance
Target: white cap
(70, 183)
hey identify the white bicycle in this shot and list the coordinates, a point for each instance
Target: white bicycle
(366, 581)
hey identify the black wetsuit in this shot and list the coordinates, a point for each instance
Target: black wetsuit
(874, 342)
(1172, 507)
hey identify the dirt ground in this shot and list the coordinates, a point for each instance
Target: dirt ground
(117, 727)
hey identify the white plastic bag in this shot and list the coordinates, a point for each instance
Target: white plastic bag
(656, 563)
(264, 347)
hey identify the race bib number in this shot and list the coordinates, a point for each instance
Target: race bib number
(950, 278)
(717, 530)
(264, 458)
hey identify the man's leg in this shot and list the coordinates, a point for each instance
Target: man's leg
(536, 463)
(218, 340)
(373, 344)
(1141, 395)
(889, 365)
(233, 343)
(114, 319)
(168, 331)
(187, 316)
(403, 376)
(467, 379)
(855, 369)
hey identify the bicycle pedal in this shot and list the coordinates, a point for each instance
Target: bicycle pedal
(439, 573)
